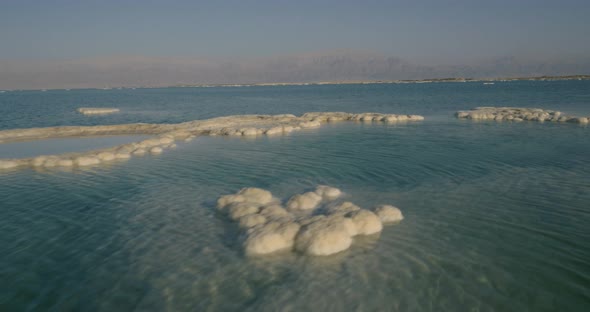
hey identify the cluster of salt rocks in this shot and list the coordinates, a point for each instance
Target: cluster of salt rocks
(313, 223)
(518, 114)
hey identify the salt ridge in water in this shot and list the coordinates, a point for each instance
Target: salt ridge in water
(97, 110)
(518, 114)
(167, 134)
(312, 224)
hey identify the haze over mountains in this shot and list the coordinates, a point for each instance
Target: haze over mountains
(131, 71)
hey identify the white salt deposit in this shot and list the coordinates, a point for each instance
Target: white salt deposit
(328, 193)
(518, 114)
(305, 201)
(238, 210)
(366, 222)
(327, 227)
(97, 110)
(324, 236)
(388, 213)
(271, 237)
(167, 134)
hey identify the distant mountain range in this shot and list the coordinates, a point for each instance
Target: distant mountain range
(139, 71)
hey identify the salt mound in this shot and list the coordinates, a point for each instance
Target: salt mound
(269, 227)
(8, 164)
(518, 114)
(252, 220)
(342, 208)
(96, 110)
(256, 195)
(226, 200)
(327, 192)
(274, 211)
(238, 210)
(388, 213)
(366, 222)
(271, 237)
(305, 201)
(324, 236)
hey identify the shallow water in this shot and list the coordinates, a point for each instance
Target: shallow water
(496, 218)
(64, 145)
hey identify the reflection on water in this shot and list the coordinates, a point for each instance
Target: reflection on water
(64, 145)
(496, 219)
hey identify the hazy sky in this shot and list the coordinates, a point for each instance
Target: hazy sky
(429, 32)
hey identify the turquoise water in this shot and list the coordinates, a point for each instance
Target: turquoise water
(496, 214)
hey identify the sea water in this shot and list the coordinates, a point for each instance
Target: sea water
(496, 213)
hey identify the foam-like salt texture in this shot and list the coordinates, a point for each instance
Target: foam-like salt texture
(316, 223)
(518, 114)
(165, 136)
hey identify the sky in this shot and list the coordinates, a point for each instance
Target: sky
(425, 31)
(431, 32)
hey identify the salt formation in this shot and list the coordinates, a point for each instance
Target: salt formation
(315, 223)
(97, 110)
(388, 213)
(518, 114)
(166, 136)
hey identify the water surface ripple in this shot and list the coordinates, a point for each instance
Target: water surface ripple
(496, 219)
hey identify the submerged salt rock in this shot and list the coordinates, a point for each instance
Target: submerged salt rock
(105, 156)
(390, 118)
(8, 164)
(226, 200)
(38, 161)
(328, 193)
(270, 237)
(274, 211)
(65, 163)
(156, 150)
(256, 195)
(52, 161)
(122, 156)
(139, 152)
(310, 124)
(388, 213)
(342, 208)
(324, 236)
(305, 201)
(166, 140)
(249, 131)
(366, 222)
(84, 161)
(274, 130)
(97, 110)
(238, 210)
(252, 220)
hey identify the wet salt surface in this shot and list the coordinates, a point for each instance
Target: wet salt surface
(66, 145)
